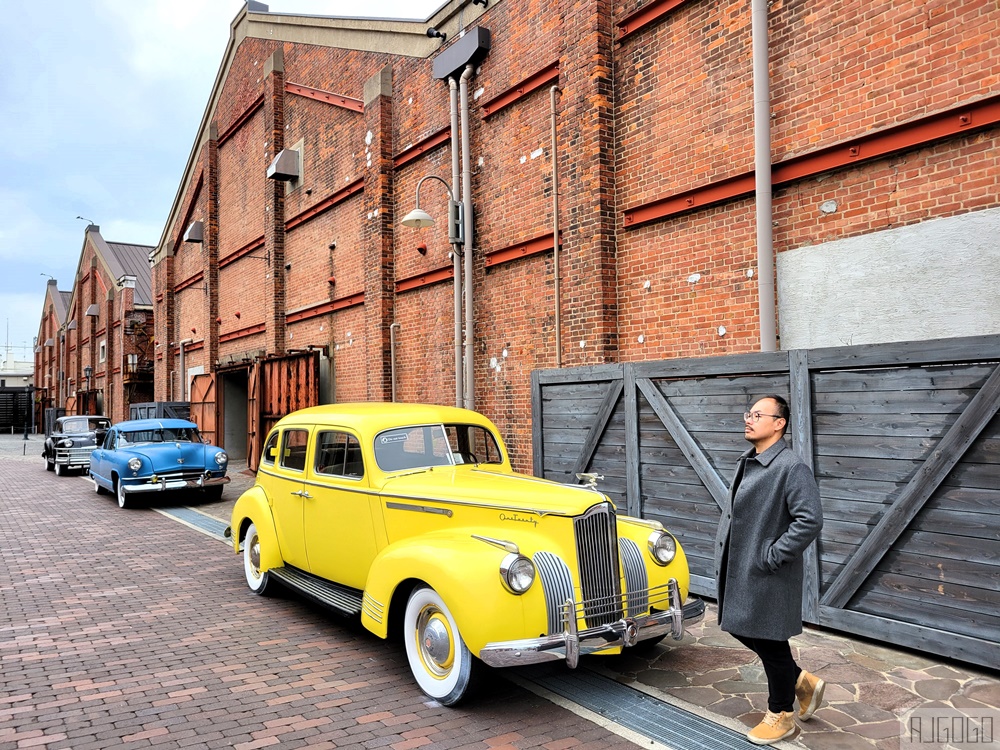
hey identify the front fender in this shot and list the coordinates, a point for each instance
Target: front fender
(253, 507)
(465, 572)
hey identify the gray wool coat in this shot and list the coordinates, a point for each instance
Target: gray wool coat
(772, 514)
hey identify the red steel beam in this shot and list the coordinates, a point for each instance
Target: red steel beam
(908, 136)
(523, 250)
(241, 333)
(519, 91)
(239, 122)
(647, 15)
(245, 250)
(425, 279)
(327, 203)
(337, 100)
(419, 149)
(325, 308)
(189, 281)
(190, 211)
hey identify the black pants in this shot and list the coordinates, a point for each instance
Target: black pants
(781, 670)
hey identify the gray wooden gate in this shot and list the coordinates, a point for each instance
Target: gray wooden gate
(904, 440)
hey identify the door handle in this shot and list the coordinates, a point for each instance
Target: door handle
(302, 493)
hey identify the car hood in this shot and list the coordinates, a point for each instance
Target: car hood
(164, 456)
(464, 484)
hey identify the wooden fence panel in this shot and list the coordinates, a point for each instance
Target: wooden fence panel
(904, 441)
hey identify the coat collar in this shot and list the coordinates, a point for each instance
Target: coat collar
(767, 456)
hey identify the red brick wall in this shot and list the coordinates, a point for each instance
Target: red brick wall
(664, 111)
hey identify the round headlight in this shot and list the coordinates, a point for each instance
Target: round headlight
(517, 573)
(662, 547)
(135, 464)
(221, 458)
(66, 443)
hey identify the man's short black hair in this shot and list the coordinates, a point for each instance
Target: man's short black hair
(783, 411)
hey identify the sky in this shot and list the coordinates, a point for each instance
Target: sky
(100, 102)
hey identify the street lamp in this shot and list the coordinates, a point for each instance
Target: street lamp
(418, 219)
(87, 372)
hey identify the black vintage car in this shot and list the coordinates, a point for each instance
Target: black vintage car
(71, 442)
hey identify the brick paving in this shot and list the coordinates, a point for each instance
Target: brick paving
(126, 629)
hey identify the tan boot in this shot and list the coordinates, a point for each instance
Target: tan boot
(772, 727)
(809, 690)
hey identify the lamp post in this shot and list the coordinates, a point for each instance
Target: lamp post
(418, 218)
(87, 372)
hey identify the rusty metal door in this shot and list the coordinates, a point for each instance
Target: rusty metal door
(253, 417)
(203, 405)
(289, 383)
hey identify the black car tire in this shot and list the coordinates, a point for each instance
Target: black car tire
(124, 501)
(97, 488)
(61, 470)
(49, 464)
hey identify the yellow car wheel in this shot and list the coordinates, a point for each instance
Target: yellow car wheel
(256, 580)
(439, 659)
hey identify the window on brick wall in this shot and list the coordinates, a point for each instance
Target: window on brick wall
(102, 351)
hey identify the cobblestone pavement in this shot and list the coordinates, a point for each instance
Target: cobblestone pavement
(128, 626)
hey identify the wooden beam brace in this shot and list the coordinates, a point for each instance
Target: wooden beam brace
(518, 91)
(906, 137)
(801, 430)
(604, 414)
(633, 480)
(337, 100)
(692, 452)
(917, 492)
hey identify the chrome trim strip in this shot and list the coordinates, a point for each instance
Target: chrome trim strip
(372, 607)
(420, 509)
(636, 580)
(176, 484)
(557, 585)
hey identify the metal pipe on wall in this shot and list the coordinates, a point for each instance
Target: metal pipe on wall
(456, 257)
(762, 175)
(183, 370)
(555, 225)
(392, 358)
(470, 397)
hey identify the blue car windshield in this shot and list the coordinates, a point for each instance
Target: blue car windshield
(162, 435)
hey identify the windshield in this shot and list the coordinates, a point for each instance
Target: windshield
(76, 426)
(162, 435)
(423, 446)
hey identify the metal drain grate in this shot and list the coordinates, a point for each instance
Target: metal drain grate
(652, 718)
(197, 520)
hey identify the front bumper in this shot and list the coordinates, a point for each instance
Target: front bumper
(73, 458)
(163, 484)
(572, 643)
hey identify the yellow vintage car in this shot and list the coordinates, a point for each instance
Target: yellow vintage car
(412, 517)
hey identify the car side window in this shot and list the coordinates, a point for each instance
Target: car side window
(473, 444)
(109, 441)
(293, 449)
(270, 449)
(338, 454)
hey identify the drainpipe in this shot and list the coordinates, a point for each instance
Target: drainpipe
(470, 397)
(456, 256)
(183, 369)
(762, 175)
(555, 225)
(392, 357)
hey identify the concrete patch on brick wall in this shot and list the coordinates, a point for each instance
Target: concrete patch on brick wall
(935, 279)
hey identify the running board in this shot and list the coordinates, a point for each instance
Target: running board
(341, 598)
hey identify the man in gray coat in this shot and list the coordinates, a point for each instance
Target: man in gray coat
(773, 513)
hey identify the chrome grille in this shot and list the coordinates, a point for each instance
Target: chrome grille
(636, 580)
(597, 555)
(557, 584)
(187, 475)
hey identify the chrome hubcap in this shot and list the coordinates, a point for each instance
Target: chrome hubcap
(435, 642)
(254, 548)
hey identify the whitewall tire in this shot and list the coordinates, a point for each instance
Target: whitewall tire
(124, 501)
(439, 659)
(256, 580)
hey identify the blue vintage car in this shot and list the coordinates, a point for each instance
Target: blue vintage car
(157, 455)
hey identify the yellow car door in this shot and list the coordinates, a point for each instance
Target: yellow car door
(285, 485)
(339, 530)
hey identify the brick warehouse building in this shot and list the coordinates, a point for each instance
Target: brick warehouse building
(271, 294)
(95, 356)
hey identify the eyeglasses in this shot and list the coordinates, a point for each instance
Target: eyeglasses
(754, 416)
